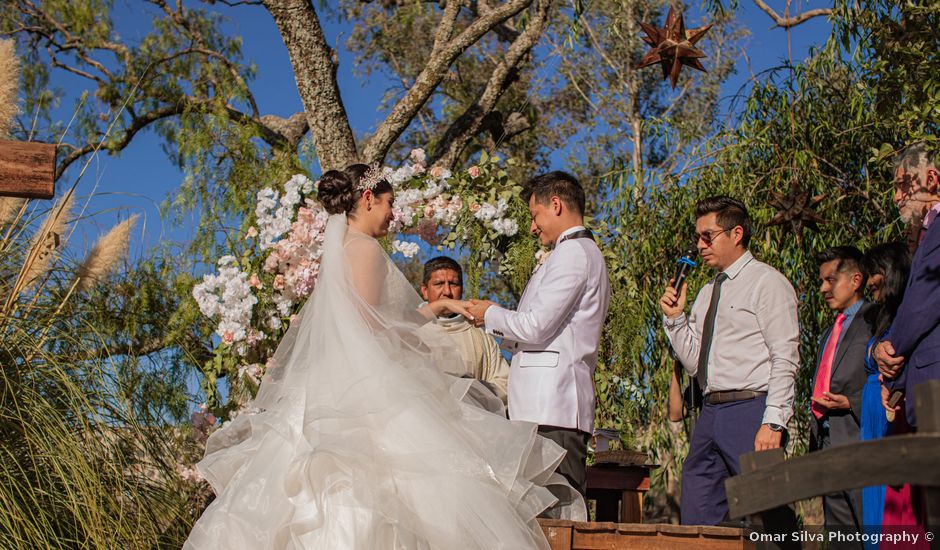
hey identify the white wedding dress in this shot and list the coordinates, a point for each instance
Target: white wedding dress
(360, 442)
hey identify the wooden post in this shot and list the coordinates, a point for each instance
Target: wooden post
(778, 521)
(27, 169)
(927, 404)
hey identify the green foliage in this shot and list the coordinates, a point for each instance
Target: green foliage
(87, 458)
(812, 129)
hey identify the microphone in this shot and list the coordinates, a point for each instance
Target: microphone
(683, 267)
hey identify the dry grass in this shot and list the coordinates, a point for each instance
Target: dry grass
(46, 245)
(9, 210)
(105, 256)
(9, 85)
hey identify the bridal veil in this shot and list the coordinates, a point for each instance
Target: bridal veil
(358, 441)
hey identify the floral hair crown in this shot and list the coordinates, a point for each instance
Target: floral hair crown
(371, 178)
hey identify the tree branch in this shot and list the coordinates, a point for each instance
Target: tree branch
(787, 22)
(471, 121)
(434, 72)
(314, 63)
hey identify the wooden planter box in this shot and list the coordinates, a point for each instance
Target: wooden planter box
(570, 535)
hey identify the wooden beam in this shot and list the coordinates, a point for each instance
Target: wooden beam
(890, 461)
(927, 402)
(27, 169)
(779, 521)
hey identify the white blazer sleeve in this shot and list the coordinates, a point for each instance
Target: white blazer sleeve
(560, 289)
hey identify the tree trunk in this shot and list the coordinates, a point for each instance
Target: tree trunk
(314, 64)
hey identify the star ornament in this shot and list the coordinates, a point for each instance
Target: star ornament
(673, 46)
(796, 210)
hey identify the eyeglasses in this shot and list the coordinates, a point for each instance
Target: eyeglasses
(708, 237)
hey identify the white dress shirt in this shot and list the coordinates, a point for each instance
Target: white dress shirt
(756, 339)
(554, 335)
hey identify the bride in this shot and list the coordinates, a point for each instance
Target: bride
(358, 441)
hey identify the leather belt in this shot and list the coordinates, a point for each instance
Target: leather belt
(719, 397)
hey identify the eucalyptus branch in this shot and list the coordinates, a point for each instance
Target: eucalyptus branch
(434, 72)
(787, 22)
(468, 124)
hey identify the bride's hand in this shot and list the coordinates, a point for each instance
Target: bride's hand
(452, 306)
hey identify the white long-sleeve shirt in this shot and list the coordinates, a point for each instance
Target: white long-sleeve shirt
(756, 340)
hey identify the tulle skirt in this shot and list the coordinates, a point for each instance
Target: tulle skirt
(408, 475)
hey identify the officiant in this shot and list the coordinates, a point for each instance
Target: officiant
(479, 352)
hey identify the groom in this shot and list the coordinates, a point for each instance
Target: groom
(554, 333)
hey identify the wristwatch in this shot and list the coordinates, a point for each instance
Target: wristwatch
(776, 427)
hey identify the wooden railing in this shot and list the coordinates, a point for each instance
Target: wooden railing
(769, 483)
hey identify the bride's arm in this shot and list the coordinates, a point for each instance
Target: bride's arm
(435, 309)
(367, 267)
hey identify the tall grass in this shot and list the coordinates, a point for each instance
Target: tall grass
(80, 466)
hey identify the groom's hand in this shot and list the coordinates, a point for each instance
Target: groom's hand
(478, 310)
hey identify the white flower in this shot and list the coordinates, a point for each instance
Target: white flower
(252, 371)
(227, 295)
(486, 212)
(407, 249)
(506, 226)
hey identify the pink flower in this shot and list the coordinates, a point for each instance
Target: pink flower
(252, 232)
(475, 207)
(228, 337)
(291, 321)
(474, 171)
(418, 156)
(279, 282)
(428, 211)
(255, 281)
(437, 172)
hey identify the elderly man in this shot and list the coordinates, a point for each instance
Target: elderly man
(910, 353)
(481, 359)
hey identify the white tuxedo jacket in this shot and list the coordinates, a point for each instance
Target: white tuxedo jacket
(554, 335)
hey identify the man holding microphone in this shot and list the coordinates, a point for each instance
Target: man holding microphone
(741, 341)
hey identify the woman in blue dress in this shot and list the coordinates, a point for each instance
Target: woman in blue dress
(887, 266)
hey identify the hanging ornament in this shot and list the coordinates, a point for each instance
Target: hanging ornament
(795, 208)
(673, 46)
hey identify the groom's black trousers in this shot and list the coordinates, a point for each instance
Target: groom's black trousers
(573, 466)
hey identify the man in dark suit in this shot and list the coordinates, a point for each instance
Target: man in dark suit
(910, 353)
(840, 377)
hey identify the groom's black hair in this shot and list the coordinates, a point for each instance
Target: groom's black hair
(555, 184)
(438, 263)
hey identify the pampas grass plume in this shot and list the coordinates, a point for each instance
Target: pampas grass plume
(47, 241)
(107, 252)
(9, 86)
(9, 208)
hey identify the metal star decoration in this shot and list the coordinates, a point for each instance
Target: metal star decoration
(796, 209)
(673, 46)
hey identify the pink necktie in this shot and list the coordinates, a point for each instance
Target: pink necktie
(825, 366)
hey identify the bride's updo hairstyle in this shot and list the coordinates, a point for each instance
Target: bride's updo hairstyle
(339, 190)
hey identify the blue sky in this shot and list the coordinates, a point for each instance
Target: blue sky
(141, 177)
